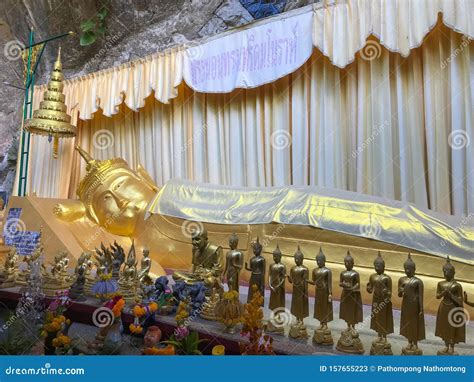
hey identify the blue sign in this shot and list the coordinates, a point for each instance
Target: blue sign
(15, 235)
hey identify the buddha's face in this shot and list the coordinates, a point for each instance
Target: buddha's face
(409, 270)
(379, 267)
(199, 241)
(321, 261)
(298, 259)
(448, 273)
(276, 257)
(349, 263)
(120, 201)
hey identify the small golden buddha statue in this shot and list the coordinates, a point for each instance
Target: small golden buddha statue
(412, 319)
(257, 269)
(128, 281)
(276, 282)
(10, 270)
(146, 282)
(207, 263)
(380, 284)
(323, 312)
(77, 289)
(350, 308)
(57, 277)
(299, 301)
(233, 264)
(451, 318)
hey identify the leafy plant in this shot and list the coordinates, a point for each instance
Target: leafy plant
(188, 344)
(93, 28)
(16, 340)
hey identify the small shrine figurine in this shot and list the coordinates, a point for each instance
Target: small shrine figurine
(128, 280)
(276, 282)
(77, 292)
(257, 267)
(299, 302)
(322, 280)
(147, 286)
(25, 266)
(118, 258)
(451, 318)
(207, 260)
(381, 321)
(10, 270)
(105, 286)
(412, 320)
(233, 264)
(350, 309)
(58, 277)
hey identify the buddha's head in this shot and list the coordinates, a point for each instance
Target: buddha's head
(409, 266)
(379, 264)
(349, 261)
(448, 270)
(321, 259)
(298, 257)
(114, 195)
(277, 254)
(199, 239)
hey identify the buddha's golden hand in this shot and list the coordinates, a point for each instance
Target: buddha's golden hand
(69, 212)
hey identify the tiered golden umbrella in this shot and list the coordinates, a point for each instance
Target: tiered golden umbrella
(51, 118)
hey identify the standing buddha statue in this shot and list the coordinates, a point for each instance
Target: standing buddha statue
(276, 282)
(380, 284)
(257, 267)
(233, 264)
(10, 270)
(323, 312)
(451, 318)
(299, 301)
(350, 309)
(412, 320)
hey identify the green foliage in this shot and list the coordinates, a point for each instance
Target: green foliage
(15, 339)
(93, 28)
(189, 345)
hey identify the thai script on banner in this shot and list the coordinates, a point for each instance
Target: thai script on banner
(251, 57)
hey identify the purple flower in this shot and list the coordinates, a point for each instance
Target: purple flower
(181, 332)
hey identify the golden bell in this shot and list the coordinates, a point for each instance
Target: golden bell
(51, 118)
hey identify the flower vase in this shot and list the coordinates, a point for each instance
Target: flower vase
(113, 339)
(49, 349)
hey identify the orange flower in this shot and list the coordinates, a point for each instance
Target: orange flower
(135, 329)
(153, 306)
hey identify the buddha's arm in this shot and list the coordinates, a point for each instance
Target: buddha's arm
(389, 287)
(420, 297)
(69, 212)
(329, 285)
(466, 300)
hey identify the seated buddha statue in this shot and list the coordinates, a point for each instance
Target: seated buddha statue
(25, 266)
(10, 270)
(57, 277)
(207, 262)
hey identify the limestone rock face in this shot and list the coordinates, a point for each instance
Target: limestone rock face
(134, 28)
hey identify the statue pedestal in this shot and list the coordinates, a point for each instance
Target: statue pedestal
(381, 348)
(209, 307)
(444, 352)
(7, 281)
(349, 342)
(274, 327)
(411, 351)
(298, 332)
(323, 336)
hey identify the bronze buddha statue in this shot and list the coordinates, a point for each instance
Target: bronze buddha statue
(233, 264)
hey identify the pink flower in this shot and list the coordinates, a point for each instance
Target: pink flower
(181, 332)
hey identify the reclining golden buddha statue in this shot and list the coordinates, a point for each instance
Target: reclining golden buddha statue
(127, 203)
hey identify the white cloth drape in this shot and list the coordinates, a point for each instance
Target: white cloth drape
(394, 127)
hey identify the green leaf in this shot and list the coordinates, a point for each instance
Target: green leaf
(102, 13)
(88, 38)
(87, 25)
(100, 29)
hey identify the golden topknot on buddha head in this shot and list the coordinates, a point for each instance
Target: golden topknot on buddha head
(112, 195)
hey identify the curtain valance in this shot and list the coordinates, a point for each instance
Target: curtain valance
(340, 28)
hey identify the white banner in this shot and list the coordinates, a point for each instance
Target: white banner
(251, 57)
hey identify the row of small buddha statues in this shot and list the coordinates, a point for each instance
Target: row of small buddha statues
(214, 269)
(115, 273)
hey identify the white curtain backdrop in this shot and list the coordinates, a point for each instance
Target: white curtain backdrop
(385, 125)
